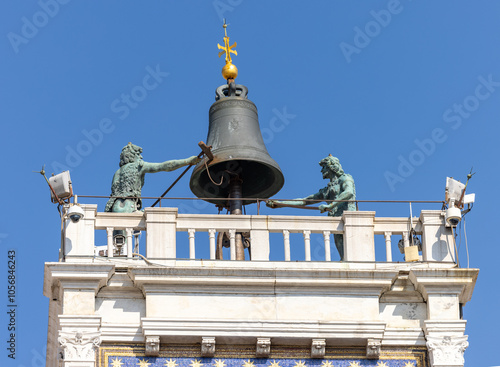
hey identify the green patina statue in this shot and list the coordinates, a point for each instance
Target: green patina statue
(340, 187)
(129, 179)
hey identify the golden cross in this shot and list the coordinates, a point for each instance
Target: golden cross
(226, 48)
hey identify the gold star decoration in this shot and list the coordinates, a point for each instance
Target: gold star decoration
(326, 364)
(300, 364)
(274, 364)
(171, 363)
(354, 364)
(409, 364)
(116, 362)
(143, 363)
(196, 363)
(220, 363)
(382, 364)
(248, 363)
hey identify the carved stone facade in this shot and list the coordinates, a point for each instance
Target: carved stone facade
(447, 351)
(317, 305)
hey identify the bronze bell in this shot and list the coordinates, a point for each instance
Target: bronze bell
(239, 152)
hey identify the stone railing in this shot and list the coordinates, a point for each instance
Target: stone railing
(162, 224)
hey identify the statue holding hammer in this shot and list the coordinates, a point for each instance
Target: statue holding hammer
(340, 188)
(129, 178)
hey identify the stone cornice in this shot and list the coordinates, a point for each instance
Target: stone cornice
(263, 280)
(92, 276)
(455, 281)
(269, 329)
(90, 322)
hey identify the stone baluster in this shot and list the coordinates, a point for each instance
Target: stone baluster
(232, 243)
(130, 240)
(326, 236)
(111, 246)
(286, 240)
(211, 235)
(307, 245)
(192, 254)
(388, 247)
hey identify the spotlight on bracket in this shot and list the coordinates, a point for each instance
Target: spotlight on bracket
(454, 193)
(456, 199)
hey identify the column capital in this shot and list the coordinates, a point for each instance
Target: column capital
(79, 346)
(447, 351)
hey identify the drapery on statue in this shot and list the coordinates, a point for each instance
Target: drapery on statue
(129, 179)
(340, 187)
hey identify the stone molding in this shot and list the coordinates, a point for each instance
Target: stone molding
(91, 276)
(442, 328)
(122, 333)
(395, 336)
(447, 351)
(247, 329)
(332, 281)
(459, 282)
(79, 345)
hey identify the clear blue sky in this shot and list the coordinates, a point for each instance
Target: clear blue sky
(404, 93)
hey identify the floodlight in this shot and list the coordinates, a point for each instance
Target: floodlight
(61, 186)
(454, 191)
(454, 196)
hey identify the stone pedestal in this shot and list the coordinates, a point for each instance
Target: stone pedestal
(359, 237)
(161, 231)
(437, 240)
(79, 237)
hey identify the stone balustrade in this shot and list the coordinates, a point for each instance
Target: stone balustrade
(161, 226)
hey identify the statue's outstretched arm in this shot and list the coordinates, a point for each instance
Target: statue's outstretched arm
(298, 202)
(168, 166)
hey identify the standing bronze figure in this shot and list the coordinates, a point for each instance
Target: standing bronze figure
(128, 180)
(340, 187)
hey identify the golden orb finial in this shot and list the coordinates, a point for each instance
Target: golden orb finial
(229, 71)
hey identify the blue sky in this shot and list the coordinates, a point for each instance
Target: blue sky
(404, 93)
